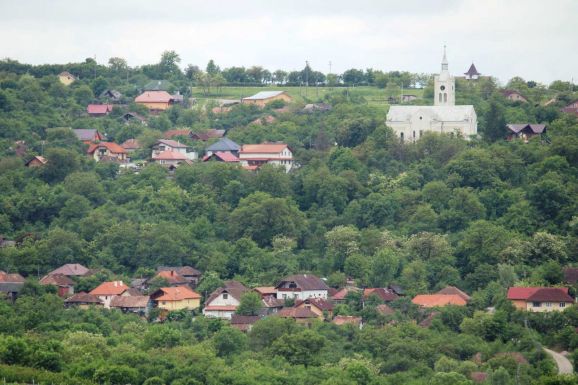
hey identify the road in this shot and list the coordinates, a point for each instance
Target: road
(564, 365)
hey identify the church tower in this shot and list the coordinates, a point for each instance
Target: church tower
(444, 86)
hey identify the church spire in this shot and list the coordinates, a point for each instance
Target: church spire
(444, 61)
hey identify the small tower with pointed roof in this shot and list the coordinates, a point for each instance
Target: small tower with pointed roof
(444, 86)
(472, 73)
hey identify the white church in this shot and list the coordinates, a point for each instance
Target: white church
(410, 122)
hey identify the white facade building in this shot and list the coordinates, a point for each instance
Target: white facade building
(255, 155)
(410, 122)
(302, 287)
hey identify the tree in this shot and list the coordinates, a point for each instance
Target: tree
(250, 304)
(494, 122)
(229, 341)
(60, 163)
(301, 348)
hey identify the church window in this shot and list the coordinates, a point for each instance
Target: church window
(442, 88)
(414, 135)
(440, 97)
(420, 133)
(401, 136)
(420, 118)
(445, 97)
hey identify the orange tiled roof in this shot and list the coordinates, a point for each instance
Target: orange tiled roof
(154, 97)
(434, 300)
(273, 148)
(110, 288)
(112, 147)
(176, 294)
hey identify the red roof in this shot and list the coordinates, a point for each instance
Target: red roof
(99, 109)
(71, 269)
(83, 297)
(296, 312)
(110, 288)
(265, 148)
(521, 293)
(551, 294)
(172, 133)
(178, 293)
(112, 147)
(170, 155)
(56, 280)
(383, 293)
(224, 156)
(131, 144)
(434, 300)
(320, 303)
(154, 97)
(172, 277)
(571, 275)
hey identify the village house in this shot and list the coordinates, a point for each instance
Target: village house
(176, 298)
(96, 110)
(320, 306)
(223, 145)
(130, 145)
(138, 304)
(302, 286)
(225, 157)
(88, 135)
(66, 78)
(72, 270)
(472, 73)
(262, 98)
(36, 161)
(340, 297)
(454, 290)
(571, 108)
(171, 277)
(256, 155)
(266, 291)
(514, 96)
(11, 285)
(438, 300)
(384, 294)
(106, 291)
(64, 285)
(157, 101)
(525, 131)
(207, 135)
(112, 95)
(244, 323)
(540, 299)
(170, 159)
(162, 146)
(192, 275)
(134, 117)
(223, 302)
(83, 301)
(302, 316)
(107, 151)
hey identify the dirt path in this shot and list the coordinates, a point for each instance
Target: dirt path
(564, 365)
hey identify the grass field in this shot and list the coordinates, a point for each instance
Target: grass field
(373, 95)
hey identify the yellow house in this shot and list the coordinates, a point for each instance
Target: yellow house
(155, 100)
(540, 299)
(176, 298)
(262, 98)
(66, 78)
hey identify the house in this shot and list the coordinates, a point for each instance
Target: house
(341, 320)
(525, 131)
(207, 135)
(11, 284)
(540, 299)
(172, 278)
(107, 151)
(266, 291)
(267, 153)
(302, 316)
(410, 122)
(138, 304)
(571, 275)
(88, 135)
(396, 289)
(223, 302)
(164, 145)
(514, 96)
(454, 290)
(65, 285)
(130, 145)
(99, 109)
(262, 98)
(83, 300)
(320, 306)
(112, 95)
(176, 298)
(571, 108)
(340, 297)
(244, 322)
(72, 270)
(301, 287)
(134, 117)
(384, 294)
(66, 78)
(192, 275)
(219, 156)
(36, 161)
(472, 73)
(438, 300)
(106, 291)
(271, 305)
(170, 159)
(224, 145)
(156, 101)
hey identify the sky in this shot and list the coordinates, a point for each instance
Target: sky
(534, 39)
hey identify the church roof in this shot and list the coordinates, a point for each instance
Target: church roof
(472, 71)
(439, 113)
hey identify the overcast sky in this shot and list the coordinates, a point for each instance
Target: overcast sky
(534, 39)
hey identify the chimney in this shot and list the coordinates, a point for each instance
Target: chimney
(114, 283)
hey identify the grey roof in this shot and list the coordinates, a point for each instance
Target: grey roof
(224, 144)
(305, 282)
(535, 128)
(71, 269)
(264, 95)
(472, 71)
(11, 287)
(171, 143)
(85, 133)
(440, 113)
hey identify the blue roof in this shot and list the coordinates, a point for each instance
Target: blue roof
(224, 144)
(264, 95)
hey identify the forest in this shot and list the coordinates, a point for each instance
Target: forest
(481, 214)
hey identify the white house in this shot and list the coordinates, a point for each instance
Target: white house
(164, 145)
(106, 291)
(223, 302)
(302, 287)
(253, 156)
(410, 122)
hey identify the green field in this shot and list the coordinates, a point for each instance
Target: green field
(373, 95)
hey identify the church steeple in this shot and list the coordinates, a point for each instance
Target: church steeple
(444, 85)
(445, 61)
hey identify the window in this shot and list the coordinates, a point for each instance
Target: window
(442, 88)
(548, 304)
(420, 133)
(401, 136)
(225, 296)
(536, 304)
(414, 135)
(445, 97)
(562, 304)
(440, 97)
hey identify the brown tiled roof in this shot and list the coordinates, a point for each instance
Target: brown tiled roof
(178, 293)
(521, 293)
(571, 275)
(182, 270)
(138, 301)
(209, 134)
(266, 290)
(270, 302)
(550, 294)
(110, 146)
(134, 292)
(296, 312)
(233, 288)
(110, 288)
(130, 144)
(83, 297)
(454, 290)
(237, 319)
(57, 280)
(265, 148)
(383, 293)
(71, 269)
(535, 128)
(11, 278)
(320, 303)
(154, 97)
(346, 319)
(341, 294)
(172, 277)
(170, 155)
(305, 282)
(172, 133)
(434, 300)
